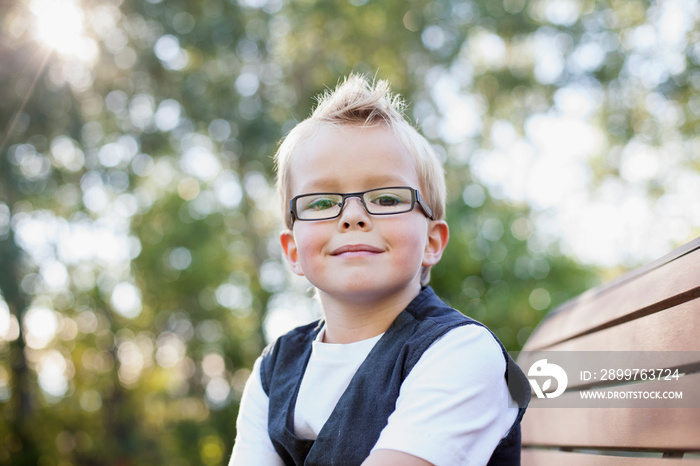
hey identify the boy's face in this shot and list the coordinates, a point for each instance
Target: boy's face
(357, 256)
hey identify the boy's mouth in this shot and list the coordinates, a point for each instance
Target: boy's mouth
(356, 249)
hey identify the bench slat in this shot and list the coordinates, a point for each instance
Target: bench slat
(660, 429)
(533, 457)
(672, 330)
(663, 287)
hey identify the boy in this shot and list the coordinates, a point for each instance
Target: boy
(391, 375)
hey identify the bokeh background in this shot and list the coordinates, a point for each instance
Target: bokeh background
(140, 272)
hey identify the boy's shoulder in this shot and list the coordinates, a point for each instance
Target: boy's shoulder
(295, 335)
(288, 349)
(428, 318)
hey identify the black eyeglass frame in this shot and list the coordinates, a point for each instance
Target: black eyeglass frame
(415, 198)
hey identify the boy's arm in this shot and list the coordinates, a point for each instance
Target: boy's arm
(393, 458)
(253, 445)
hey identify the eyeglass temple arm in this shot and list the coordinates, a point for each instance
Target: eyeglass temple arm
(424, 205)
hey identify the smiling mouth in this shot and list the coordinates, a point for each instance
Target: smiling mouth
(358, 249)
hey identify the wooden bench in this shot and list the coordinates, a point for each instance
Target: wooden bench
(654, 308)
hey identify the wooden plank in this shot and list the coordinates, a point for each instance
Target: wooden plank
(536, 457)
(663, 287)
(657, 429)
(672, 330)
(687, 248)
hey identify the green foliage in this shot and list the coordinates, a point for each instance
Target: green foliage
(493, 271)
(138, 225)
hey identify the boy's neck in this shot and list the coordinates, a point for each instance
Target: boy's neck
(348, 321)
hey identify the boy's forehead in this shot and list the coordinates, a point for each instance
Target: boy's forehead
(337, 157)
(310, 183)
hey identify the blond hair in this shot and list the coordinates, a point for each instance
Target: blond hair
(356, 101)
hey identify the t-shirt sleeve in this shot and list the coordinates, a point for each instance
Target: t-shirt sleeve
(253, 445)
(454, 406)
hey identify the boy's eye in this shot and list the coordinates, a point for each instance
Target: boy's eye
(321, 203)
(386, 200)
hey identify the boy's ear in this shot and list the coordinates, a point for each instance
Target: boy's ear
(438, 236)
(289, 247)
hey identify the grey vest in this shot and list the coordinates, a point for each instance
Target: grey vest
(362, 412)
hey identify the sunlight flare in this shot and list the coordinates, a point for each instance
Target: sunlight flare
(59, 25)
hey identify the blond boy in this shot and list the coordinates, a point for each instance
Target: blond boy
(391, 375)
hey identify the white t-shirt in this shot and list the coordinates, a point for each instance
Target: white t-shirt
(453, 407)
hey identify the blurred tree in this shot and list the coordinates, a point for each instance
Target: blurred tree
(139, 266)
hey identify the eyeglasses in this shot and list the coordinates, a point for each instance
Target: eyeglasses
(381, 201)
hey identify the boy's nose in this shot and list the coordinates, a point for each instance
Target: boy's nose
(354, 214)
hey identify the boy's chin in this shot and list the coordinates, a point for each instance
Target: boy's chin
(368, 293)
